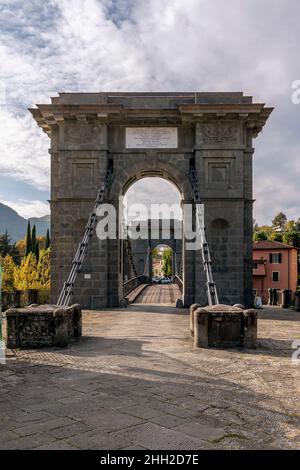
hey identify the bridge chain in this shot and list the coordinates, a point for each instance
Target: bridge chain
(67, 290)
(211, 288)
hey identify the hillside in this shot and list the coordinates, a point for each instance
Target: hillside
(16, 225)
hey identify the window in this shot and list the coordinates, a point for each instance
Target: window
(275, 258)
(255, 265)
(275, 276)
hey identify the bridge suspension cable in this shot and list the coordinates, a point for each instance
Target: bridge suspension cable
(211, 288)
(128, 248)
(67, 290)
(146, 267)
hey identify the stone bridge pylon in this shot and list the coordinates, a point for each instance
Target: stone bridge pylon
(152, 134)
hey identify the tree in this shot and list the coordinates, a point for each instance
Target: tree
(260, 236)
(43, 269)
(8, 275)
(6, 248)
(28, 239)
(292, 238)
(25, 275)
(279, 220)
(37, 251)
(266, 229)
(33, 240)
(297, 225)
(5, 245)
(276, 236)
(290, 226)
(48, 241)
(167, 262)
(21, 247)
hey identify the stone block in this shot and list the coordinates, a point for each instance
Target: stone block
(250, 329)
(223, 326)
(41, 326)
(193, 308)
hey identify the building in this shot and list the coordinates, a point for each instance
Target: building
(274, 266)
(157, 268)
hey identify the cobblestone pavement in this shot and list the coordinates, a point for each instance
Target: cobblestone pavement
(135, 381)
(160, 294)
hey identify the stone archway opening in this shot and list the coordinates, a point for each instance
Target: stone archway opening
(154, 248)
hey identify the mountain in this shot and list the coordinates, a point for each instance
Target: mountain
(16, 225)
(41, 224)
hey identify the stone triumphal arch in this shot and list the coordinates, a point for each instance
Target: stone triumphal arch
(152, 134)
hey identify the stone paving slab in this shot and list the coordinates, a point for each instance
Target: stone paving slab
(135, 381)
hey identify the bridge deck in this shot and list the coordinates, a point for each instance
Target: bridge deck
(159, 294)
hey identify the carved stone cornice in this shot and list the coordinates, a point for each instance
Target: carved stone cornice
(254, 115)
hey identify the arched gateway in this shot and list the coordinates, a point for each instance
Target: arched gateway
(152, 134)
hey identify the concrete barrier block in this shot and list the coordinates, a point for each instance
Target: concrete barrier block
(42, 325)
(224, 326)
(193, 308)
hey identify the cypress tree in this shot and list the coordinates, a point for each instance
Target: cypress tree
(47, 241)
(5, 246)
(37, 251)
(28, 239)
(33, 240)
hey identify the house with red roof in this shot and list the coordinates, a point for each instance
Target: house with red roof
(275, 265)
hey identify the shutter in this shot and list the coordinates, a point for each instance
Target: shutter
(270, 257)
(280, 258)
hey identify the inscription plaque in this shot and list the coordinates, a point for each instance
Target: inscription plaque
(151, 137)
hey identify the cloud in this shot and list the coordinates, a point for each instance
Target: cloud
(134, 45)
(28, 209)
(148, 191)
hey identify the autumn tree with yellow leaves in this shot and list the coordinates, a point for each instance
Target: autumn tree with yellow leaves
(25, 275)
(8, 266)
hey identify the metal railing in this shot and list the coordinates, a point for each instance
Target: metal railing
(178, 281)
(133, 283)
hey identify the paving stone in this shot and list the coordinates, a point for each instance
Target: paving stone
(169, 421)
(57, 445)
(68, 431)
(111, 420)
(99, 440)
(176, 410)
(140, 379)
(201, 431)
(133, 448)
(37, 427)
(24, 417)
(141, 411)
(152, 436)
(27, 442)
(7, 436)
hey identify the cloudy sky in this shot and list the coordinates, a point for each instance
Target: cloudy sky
(148, 45)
